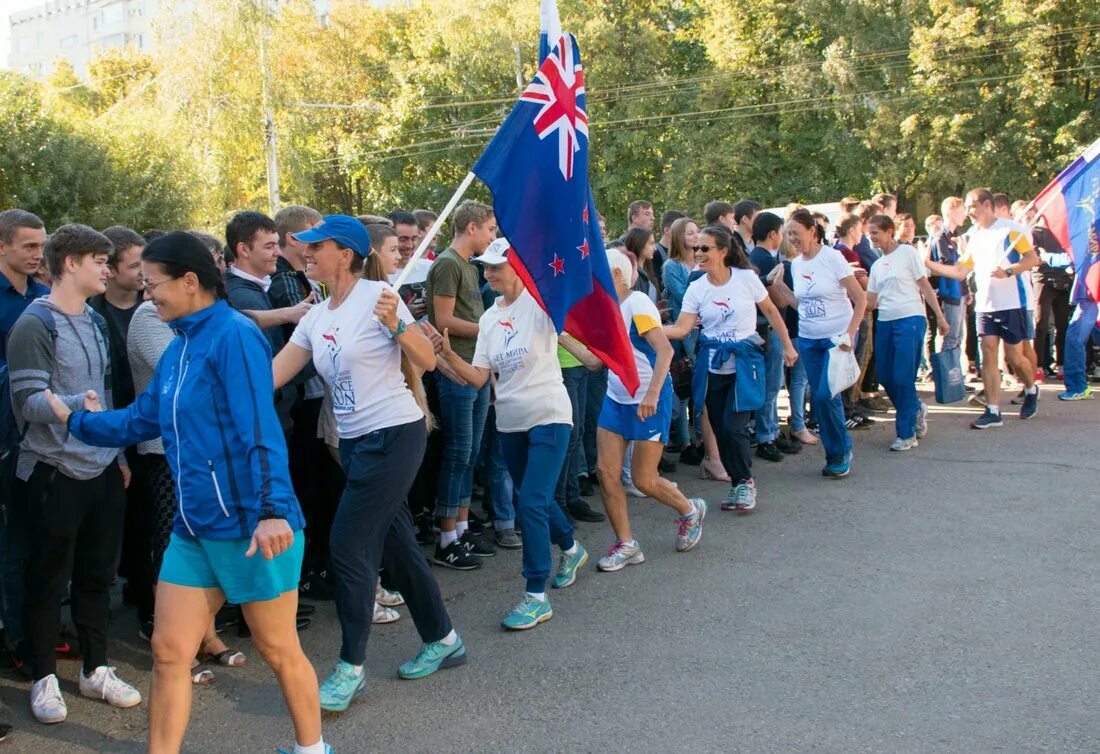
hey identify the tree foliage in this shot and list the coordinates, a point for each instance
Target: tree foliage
(689, 100)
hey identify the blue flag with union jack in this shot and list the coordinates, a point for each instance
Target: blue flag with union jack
(537, 168)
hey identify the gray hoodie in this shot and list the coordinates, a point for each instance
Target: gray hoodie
(77, 361)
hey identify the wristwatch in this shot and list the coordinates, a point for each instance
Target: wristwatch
(399, 331)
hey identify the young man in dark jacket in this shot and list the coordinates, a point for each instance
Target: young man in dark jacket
(72, 494)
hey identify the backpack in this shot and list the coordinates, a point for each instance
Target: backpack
(10, 434)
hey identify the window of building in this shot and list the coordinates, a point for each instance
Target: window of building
(69, 41)
(112, 14)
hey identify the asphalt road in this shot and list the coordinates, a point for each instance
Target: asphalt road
(939, 600)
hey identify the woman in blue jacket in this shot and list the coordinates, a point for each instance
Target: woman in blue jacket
(210, 401)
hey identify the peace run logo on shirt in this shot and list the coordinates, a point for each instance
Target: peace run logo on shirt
(510, 331)
(510, 360)
(810, 307)
(724, 307)
(343, 389)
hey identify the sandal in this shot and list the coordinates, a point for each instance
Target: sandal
(202, 678)
(227, 658)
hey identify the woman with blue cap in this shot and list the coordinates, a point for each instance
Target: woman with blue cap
(238, 529)
(383, 432)
(518, 343)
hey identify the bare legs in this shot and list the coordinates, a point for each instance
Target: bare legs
(611, 448)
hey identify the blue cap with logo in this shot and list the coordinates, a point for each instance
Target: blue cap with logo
(345, 230)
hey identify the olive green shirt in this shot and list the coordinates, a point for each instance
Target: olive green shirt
(451, 275)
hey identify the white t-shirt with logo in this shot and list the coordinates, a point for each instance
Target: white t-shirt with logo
(640, 315)
(519, 344)
(726, 312)
(824, 310)
(986, 250)
(359, 361)
(894, 278)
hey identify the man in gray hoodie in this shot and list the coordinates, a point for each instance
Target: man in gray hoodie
(72, 493)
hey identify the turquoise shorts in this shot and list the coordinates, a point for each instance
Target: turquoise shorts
(221, 564)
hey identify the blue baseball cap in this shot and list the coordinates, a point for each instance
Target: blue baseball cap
(347, 231)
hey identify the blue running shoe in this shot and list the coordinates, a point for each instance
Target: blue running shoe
(1084, 395)
(987, 420)
(530, 612)
(568, 567)
(342, 687)
(841, 469)
(432, 657)
(1031, 404)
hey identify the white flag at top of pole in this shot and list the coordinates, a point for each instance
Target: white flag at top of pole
(549, 28)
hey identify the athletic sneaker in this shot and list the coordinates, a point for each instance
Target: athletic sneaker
(568, 566)
(987, 420)
(342, 687)
(388, 598)
(730, 503)
(104, 684)
(922, 421)
(47, 704)
(904, 444)
(433, 657)
(691, 526)
(840, 469)
(620, 556)
(476, 545)
(632, 491)
(1031, 404)
(530, 612)
(1084, 395)
(508, 539)
(328, 750)
(769, 451)
(455, 556)
(383, 614)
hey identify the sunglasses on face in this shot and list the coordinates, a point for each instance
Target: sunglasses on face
(702, 249)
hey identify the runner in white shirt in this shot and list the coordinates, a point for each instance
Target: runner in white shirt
(998, 251)
(899, 288)
(725, 301)
(518, 344)
(831, 304)
(643, 418)
(383, 432)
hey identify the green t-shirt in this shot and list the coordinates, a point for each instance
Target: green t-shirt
(567, 360)
(451, 275)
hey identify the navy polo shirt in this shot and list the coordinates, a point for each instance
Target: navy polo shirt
(12, 304)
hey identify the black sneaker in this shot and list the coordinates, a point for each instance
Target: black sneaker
(587, 490)
(1030, 405)
(477, 524)
(666, 466)
(455, 556)
(769, 452)
(581, 511)
(314, 587)
(508, 539)
(692, 455)
(145, 630)
(788, 445)
(5, 730)
(476, 545)
(987, 420)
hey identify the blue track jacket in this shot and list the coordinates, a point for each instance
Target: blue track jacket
(210, 401)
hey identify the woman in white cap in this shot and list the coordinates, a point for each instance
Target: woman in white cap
(517, 342)
(383, 431)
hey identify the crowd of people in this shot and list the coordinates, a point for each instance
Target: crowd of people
(243, 427)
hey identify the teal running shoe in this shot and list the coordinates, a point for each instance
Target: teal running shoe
(342, 687)
(432, 657)
(1084, 395)
(839, 470)
(530, 612)
(568, 567)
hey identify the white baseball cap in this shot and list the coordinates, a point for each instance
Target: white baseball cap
(496, 254)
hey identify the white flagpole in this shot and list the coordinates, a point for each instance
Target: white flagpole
(434, 230)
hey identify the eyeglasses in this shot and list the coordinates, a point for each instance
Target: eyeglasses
(151, 286)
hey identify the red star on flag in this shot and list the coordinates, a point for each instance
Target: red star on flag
(584, 215)
(584, 249)
(558, 265)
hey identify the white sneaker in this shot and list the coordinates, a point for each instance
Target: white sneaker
(47, 704)
(620, 556)
(383, 614)
(632, 491)
(104, 684)
(906, 444)
(388, 598)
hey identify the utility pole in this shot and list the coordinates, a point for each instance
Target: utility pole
(271, 151)
(519, 67)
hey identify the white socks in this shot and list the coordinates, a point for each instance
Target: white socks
(449, 639)
(540, 596)
(572, 550)
(447, 537)
(461, 527)
(317, 748)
